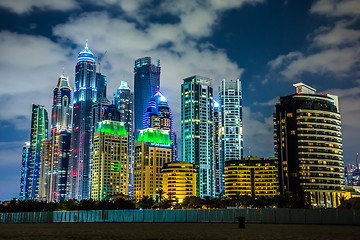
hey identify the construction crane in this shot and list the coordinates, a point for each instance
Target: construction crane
(99, 60)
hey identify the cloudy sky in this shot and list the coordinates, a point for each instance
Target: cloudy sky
(268, 44)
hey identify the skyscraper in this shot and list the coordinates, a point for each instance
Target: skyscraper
(308, 145)
(197, 131)
(24, 163)
(123, 100)
(110, 160)
(230, 126)
(64, 149)
(101, 84)
(216, 148)
(45, 159)
(38, 133)
(98, 111)
(60, 123)
(152, 151)
(158, 115)
(84, 97)
(146, 84)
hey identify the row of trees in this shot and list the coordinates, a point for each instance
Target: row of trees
(287, 200)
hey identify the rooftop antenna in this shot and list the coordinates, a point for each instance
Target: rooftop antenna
(99, 61)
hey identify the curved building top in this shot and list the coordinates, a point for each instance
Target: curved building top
(86, 55)
(63, 83)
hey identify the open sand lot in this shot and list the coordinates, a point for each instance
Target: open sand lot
(183, 231)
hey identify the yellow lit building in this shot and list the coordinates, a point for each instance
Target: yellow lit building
(152, 150)
(179, 180)
(251, 176)
(110, 160)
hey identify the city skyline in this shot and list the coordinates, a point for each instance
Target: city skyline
(316, 46)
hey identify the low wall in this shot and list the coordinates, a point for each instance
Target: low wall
(266, 215)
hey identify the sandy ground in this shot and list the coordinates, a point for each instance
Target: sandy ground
(183, 231)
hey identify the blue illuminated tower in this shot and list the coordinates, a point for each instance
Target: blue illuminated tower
(146, 84)
(85, 95)
(158, 115)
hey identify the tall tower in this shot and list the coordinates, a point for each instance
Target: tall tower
(84, 97)
(197, 131)
(230, 126)
(101, 85)
(110, 160)
(60, 125)
(146, 84)
(123, 100)
(158, 115)
(25, 162)
(216, 147)
(308, 145)
(38, 133)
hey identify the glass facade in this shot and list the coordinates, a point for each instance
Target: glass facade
(38, 133)
(60, 122)
(230, 126)
(85, 95)
(197, 131)
(146, 84)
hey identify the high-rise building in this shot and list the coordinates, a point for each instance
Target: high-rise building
(84, 97)
(179, 180)
(64, 150)
(110, 160)
(308, 145)
(197, 131)
(101, 84)
(230, 126)
(98, 111)
(158, 115)
(38, 132)
(123, 100)
(112, 113)
(216, 148)
(251, 176)
(45, 159)
(146, 84)
(152, 150)
(60, 122)
(24, 163)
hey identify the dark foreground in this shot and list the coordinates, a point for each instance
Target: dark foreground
(183, 231)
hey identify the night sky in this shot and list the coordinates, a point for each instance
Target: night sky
(268, 44)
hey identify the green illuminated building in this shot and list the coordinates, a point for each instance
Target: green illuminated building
(38, 133)
(152, 150)
(110, 160)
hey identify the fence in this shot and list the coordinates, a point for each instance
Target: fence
(266, 215)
